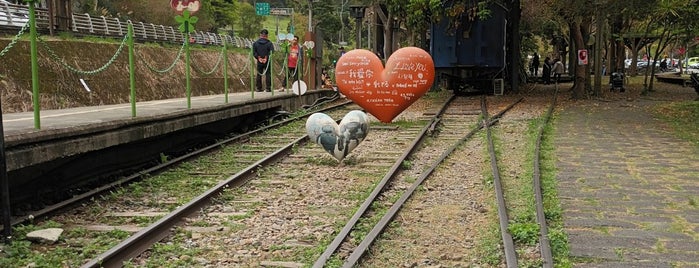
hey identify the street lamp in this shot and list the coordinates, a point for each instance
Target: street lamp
(357, 12)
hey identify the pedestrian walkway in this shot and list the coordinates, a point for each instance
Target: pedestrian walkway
(628, 187)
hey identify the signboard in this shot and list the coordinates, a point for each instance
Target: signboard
(181, 5)
(281, 11)
(262, 9)
(582, 57)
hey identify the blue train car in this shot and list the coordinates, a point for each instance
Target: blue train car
(471, 56)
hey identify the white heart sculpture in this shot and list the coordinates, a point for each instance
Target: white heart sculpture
(338, 140)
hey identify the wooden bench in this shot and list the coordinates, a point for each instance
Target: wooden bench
(695, 81)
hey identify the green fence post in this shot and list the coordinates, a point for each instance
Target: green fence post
(286, 46)
(225, 70)
(271, 73)
(186, 70)
(132, 71)
(35, 65)
(299, 70)
(253, 69)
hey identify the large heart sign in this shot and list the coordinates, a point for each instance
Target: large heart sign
(385, 93)
(338, 140)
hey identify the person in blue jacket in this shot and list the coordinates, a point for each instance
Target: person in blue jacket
(262, 50)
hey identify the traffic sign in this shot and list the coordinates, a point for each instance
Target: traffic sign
(262, 9)
(279, 11)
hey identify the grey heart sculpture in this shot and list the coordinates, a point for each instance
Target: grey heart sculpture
(338, 140)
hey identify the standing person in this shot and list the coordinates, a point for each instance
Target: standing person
(604, 67)
(663, 65)
(342, 51)
(546, 72)
(292, 60)
(262, 49)
(558, 69)
(535, 64)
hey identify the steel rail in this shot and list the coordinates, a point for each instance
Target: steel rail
(335, 244)
(50, 210)
(544, 242)
(144, 239)
(508, 243)
(371, 237)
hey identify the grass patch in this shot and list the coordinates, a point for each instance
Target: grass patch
(552, 205)
(21, 253)
(682, 117)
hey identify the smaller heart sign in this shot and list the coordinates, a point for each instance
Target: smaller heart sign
(338, 140)
(385, 93)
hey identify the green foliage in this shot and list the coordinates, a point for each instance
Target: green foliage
(488, 247)
(406, 164)
(322, 161)
(683, 118)
(248, 23)
(525, 233)
(224, 12)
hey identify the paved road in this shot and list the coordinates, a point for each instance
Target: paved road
(628, 187)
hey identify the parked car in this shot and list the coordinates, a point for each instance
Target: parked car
(640, 63)
(692, 63)
(13, 14)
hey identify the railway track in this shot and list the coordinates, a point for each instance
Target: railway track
(287, 199)
(87, 213)
(292, 206)
(444, 200)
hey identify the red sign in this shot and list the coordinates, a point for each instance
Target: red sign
(582, 57)
(181, 5)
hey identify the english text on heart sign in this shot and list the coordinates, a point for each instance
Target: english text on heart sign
(338, 140)
(385, 92)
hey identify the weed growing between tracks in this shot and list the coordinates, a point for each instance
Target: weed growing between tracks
(552, 206)
(20, 253)
(514, 145)
(161, 193)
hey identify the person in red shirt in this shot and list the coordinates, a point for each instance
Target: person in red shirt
(292, 62)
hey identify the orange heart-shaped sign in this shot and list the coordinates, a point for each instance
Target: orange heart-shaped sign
(385, 93)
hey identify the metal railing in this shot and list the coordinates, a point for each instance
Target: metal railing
(15, 16)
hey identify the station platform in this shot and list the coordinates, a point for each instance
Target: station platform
(69, 132)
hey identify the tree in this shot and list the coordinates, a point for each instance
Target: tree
(224, 12)
(248, 23)
(156, 12)
(669, 26)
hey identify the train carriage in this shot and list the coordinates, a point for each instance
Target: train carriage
(470, 55)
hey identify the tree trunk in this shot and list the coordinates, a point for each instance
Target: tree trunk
(387, 22)
(579, 76)
(599, 25)
(515, 44)
(616, 62)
